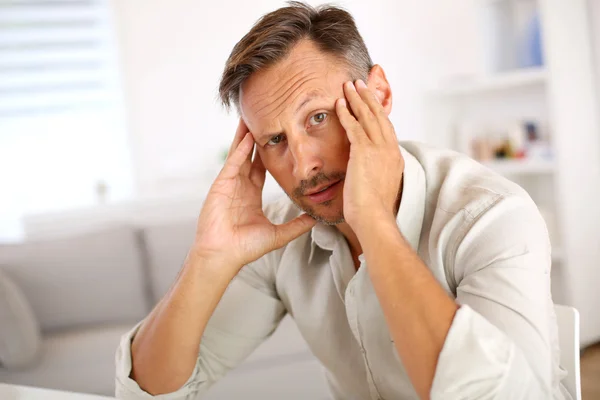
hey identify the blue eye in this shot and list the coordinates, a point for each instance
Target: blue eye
(317, 119)
(275, 140)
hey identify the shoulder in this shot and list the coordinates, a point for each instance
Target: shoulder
(473, 214)
(458, 184)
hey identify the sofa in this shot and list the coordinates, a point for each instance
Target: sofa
(66, 299)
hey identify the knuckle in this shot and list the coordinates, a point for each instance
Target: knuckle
(364, 112)
(391, 128)
(370, 116)
(357, 131)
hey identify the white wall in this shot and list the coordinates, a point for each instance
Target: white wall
(173, 53)
(594, 8)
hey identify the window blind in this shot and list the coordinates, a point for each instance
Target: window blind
(62, 127)
(55, 56)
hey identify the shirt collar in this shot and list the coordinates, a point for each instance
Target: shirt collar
(412, 205)
(410, 214)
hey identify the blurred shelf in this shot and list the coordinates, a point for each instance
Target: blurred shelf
(521, 167)
(502, 81)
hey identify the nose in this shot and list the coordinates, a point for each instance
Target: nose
(305, 152)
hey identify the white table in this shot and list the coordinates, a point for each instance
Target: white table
(15, 392)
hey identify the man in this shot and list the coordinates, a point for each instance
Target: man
(412, 273)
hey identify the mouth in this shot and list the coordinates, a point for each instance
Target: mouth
(324, 193)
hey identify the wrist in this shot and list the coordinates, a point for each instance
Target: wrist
(214, 264)
(371, 222)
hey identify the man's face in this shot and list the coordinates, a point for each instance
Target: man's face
(290, 111)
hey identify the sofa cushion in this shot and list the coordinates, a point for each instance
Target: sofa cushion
(19, 330)
(92, 278)
(166, 247)
(78, 360)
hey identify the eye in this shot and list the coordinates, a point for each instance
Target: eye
(275, 140)
(317, 119)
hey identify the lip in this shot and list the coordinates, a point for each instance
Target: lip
(326, 195)
(318, 189)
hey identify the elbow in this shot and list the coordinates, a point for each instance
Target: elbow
(515, 380)
(153, 379)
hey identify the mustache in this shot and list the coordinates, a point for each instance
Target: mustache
(317, 180)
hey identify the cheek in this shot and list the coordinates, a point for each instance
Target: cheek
(271, 158)
(338, 142)
(337, 131)
(276, 166)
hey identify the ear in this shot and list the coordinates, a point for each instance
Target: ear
(379, 84)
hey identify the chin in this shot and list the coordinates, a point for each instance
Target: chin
(331, 222)
(325, 213)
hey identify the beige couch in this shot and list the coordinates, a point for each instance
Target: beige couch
(86, 289)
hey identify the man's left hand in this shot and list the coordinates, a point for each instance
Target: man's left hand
(376, 165)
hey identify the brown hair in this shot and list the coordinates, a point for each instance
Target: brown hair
(273, 36)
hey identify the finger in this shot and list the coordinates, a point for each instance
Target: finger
(240, 133)
(291, 230)
(349, 123)
(238, 157)
(246, 167)
(363, 114)
(371, 100)
(258, 172)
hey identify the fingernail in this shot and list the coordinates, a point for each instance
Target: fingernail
(343, 102)
(350, 85)
(360, 84)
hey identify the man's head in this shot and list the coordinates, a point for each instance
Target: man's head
(284, 78)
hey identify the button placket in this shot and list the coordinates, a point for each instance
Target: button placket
(352, 313)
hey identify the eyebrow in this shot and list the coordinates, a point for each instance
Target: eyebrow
(310, 96)
(313, 94)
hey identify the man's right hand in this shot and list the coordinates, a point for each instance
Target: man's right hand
(232, 231)
(232, 227)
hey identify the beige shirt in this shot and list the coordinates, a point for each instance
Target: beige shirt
(485, 242)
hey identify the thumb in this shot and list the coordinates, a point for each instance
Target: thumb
(289, 231)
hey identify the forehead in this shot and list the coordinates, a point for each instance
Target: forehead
(275, 92)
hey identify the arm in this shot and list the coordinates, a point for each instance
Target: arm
(497, 344)
(232, 232)
(246, 314)
(506, 324)
(165, 348)
(418, 311)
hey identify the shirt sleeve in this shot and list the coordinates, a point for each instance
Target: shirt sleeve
(248, 313)
(503, 342)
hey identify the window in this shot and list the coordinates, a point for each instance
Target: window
(62, 127)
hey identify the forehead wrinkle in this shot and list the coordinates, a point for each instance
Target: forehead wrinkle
(284, 89)
(267, 132)
(304, 64)
(302, 70)
(282, 86)
(310, 96)
(289, 92)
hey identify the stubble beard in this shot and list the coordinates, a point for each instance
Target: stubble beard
(320, 178)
